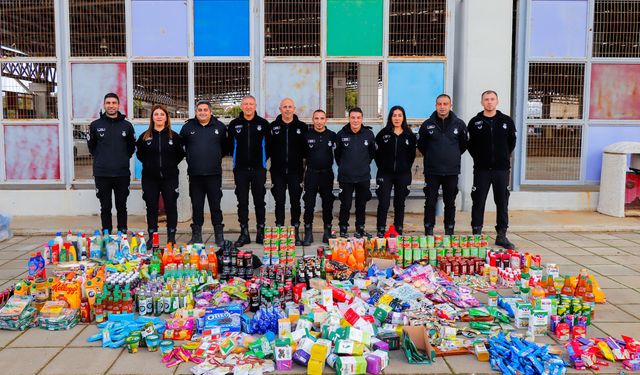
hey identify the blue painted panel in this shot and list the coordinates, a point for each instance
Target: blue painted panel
(415, 86)
(599, 138)
(221, 27)
(558, 28)
(141, 128)
(159, 28)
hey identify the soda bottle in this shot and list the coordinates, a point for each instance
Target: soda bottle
(212, 261)
(177, 256)
(567, 288)
(155, 241)
(167, 258)
(194, 258)
(127, 303)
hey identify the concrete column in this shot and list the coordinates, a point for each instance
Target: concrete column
(40, 99)
(482, 62)
(368, 88)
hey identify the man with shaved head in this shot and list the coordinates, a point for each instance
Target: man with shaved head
(286, 134)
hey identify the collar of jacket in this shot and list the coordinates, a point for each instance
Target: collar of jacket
(347, 128)
(194, 121)
(438, 121)
(295, 120)
(119, 117)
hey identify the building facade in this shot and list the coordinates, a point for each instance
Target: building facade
(565, 70)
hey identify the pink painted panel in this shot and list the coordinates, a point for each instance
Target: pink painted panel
(90, 83)
(615, 92)
(32, 152)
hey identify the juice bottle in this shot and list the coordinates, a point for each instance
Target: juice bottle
(551, 288)
(203, 261)
(581, 288)
(177, 256)
(99, 310)
(567, 288)
(167, 257)
(359, 255)
(194, 258)
(213, 262)
(589, 298)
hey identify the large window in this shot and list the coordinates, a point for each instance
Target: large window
(616, 28)
(417, 27)
(292, 28)
(97, 28)
(27, 28)
(160, 83)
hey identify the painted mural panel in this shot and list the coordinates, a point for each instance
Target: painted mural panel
(90, 82)
(216, 35)
(354, 28)
(558, 28)
(415, 86)
(299, 81)
(32, 152)
(159, 28)
(601, 137)
(615, 92)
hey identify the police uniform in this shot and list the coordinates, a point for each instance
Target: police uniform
(318, 179)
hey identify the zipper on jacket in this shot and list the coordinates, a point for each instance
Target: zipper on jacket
(395, 154)
(286, 149)
(160, 151)
(248, 144)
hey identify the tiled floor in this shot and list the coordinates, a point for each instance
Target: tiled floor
(613, 257)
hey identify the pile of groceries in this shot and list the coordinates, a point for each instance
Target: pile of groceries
(347, 305)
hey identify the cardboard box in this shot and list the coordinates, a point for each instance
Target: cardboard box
(420, 338)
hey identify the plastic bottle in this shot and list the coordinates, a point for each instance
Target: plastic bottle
(69, 236)
(193, 257)
(581, 287)
(203, 262)
(58, 240)
(212, 260)
(551, 288)
(537, 292)
(105, 241)
(589, 297)
(127, 303)
(112, 248)
(177, 256)
(99, 310)
(360, 257)
(567, 288)
(125, 247)
(72, 254)
(142, 244)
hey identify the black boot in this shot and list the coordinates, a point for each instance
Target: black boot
(218, 231)
(476, 230)
(171, 235)
(296, 227)
(343, 231)
(380, 233)
(196, 234)
(360, 233)
(428, 230)
(448, 231)
(244, 236)
(399, 230)
(503, 241)
(260, 234)
(308, 234)
(327, 234)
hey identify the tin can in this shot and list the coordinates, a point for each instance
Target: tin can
(482, 252)
(554, 320)
(465, 252)
(446, 241)
(437, 240)
(455, 241)
(408, 255)
(433, 254)
(442, 252)
(569, 319)
(464, 241)
(417, 254)
(473, 251)
(422, 242)
(400, 256)
(431, 243)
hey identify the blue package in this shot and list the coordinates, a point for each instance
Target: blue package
(228, 318)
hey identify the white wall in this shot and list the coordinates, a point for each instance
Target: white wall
(482, 62)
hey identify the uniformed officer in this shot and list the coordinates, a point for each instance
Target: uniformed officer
(442, 141)
(396, 151)
(248, 139)
(492, 138)
(286, 150)
(318, 179)
(205, 142)
(111, 142)
(354, 152)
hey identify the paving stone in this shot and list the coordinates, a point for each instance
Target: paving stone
(588, 260)
(22, 247)
(558, 259)
(600, 236)
(627, 236)
(614, 270)
(81, 339)
(141, 362)
(7, 336)
(554, 244)
(631, 250)
(568, 235)
(625, 259)
(468, 364)
(609, 313)
(606, 251)
(622, 296)
(585, 243)
(628, 281)
(26, 361)
(12, 241)
(36, 337)
(16, 264)
(566, 251)
(8, 255)
(631, 309)
(535, 237)
(619, 243)
(617, 329)
(9, 273)
(72, 361)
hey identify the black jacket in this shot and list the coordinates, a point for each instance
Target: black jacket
(286, 146)
(491, 141)
(354, 152)
(395, 153)
(111, 141)
(248, 142)
(442, 143)
(319, 149)
(205, 146)
(159, 154)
